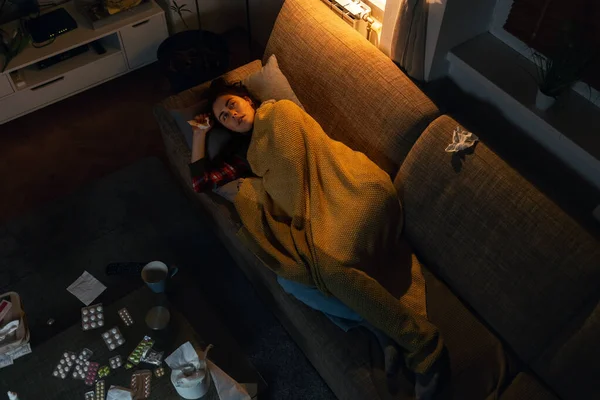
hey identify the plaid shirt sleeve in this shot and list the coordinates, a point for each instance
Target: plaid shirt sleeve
(208, 176)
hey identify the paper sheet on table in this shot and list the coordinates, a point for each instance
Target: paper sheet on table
(86, 288)
(185, 356)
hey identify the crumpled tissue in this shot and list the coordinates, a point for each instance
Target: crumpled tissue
(461, 140)
(191, 381)
(118, 393)
(8, 330)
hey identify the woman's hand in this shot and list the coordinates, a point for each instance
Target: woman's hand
(203, 119)
(199, 137)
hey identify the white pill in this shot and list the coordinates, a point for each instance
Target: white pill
(84, 312)
(100, 316)
(62, 361)
(113, 330)
(63, 376)
(86, 326)
(100, 323)
(93, 324)
(92, 311)
(99, 308)
(73, 356)
(55, 373)
(85, 319)
(105, 335)
(121, 341)
(93, 317)
(112, 346)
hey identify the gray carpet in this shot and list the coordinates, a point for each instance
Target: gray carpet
(138, 214)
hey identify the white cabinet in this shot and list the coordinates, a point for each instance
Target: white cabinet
(62, 86)
(129, 43)
(5, 87)
(141, 40)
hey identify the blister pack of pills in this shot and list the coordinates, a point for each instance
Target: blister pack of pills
(92, 373)
(81, 364)
(100, 390)
(140, 350)
(125, 317)
(115, 362)
(140, 383)
(64, 365)
(103, 371)
(92, 317)
(113, 338)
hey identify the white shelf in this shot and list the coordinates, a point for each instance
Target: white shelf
(84, 33)
(34, 76)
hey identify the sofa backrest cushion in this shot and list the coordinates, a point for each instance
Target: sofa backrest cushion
(506, 249)
(357, 94)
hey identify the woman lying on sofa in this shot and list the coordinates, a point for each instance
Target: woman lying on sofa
(234, 108)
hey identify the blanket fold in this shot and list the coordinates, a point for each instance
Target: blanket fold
(322, 214)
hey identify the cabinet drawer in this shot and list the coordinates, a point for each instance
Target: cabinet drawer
(141, 40)
(73, 81)
(5, 87)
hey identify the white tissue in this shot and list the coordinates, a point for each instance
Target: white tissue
(461, 140)
(189, 371)
(117, 393)
(7, 330)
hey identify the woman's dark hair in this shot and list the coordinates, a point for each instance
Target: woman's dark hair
(219, 87)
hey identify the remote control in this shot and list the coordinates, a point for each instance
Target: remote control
(125, 268)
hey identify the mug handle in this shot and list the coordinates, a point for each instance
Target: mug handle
(173, 271)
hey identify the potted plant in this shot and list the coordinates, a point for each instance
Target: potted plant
(557, 73)
(192, 56)
(11, 44)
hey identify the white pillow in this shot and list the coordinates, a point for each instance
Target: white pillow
(270, 83)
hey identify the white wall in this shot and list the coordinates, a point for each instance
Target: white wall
(452, 22)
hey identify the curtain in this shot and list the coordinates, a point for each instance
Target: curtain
(404, 34)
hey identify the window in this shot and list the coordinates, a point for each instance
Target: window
(546, 24)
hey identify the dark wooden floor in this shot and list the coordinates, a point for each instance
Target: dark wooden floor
(53, 151)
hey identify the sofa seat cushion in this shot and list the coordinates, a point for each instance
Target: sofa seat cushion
(351, 363)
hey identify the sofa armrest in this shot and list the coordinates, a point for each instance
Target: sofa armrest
(192, 96)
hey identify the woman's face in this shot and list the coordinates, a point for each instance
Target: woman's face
(234, 112)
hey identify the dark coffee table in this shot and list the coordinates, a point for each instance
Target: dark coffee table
(31, 375)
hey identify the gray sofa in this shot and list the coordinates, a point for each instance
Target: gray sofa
(512, 280)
